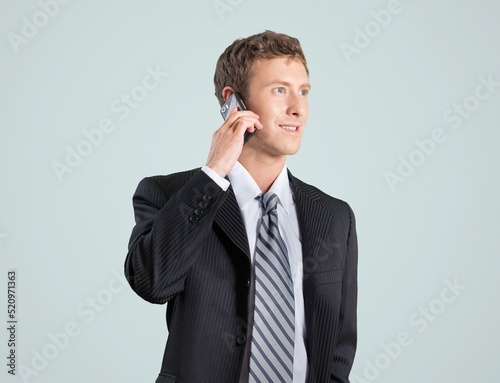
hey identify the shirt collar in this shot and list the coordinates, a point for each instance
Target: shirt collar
(244, 186)
(281, 187)
(246, 189)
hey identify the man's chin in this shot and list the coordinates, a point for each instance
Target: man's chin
(293, 151)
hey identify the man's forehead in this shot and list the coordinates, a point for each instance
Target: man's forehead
(283, 69)
(285, 60)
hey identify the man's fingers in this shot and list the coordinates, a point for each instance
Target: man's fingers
(227, 141)
(237, 114)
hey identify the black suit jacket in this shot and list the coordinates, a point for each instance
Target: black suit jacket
(189, 248)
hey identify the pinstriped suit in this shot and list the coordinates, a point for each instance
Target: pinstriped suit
(189, 248)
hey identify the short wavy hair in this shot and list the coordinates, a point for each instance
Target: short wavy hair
(234, 67)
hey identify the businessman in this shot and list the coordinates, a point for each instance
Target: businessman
(259, 269)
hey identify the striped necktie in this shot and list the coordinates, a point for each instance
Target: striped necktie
(271, 355)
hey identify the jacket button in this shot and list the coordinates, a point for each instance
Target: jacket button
(199, 211)
(248, 282)
(202, 204)
(241, 339)
(193, 218)
(206, 197)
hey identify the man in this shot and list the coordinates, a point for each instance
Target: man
(203, 237)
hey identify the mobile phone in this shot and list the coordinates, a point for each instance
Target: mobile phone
(232, 101)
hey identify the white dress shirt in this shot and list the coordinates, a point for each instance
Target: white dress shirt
(246, 189)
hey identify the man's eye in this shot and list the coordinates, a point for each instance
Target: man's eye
(280, 90)
(304, 92)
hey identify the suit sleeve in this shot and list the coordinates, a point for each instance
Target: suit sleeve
(172, 220)
(346, 346)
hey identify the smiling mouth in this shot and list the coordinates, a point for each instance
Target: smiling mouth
(291, 128)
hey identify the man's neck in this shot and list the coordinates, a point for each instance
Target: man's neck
(263, 170)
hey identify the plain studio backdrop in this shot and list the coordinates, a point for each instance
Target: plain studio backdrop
(404, 125)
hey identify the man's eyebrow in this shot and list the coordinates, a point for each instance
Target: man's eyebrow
(286, 83)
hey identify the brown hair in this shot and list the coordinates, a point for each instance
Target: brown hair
(234, 67)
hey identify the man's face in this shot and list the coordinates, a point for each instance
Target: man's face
(278, 93)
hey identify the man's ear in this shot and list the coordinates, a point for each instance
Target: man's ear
(227, 92)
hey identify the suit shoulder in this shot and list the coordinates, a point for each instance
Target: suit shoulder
(170, 183)
(331, 203)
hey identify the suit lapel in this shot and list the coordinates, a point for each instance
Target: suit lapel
(229, 219)
(313, 223)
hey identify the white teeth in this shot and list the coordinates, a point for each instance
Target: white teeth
(293, 128)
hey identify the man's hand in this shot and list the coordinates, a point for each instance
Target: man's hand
(227, 141)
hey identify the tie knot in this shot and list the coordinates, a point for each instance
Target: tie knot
(269, 201)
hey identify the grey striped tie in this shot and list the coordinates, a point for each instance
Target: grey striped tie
(271, 356)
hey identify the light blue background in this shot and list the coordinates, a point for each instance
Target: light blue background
(67, 238)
